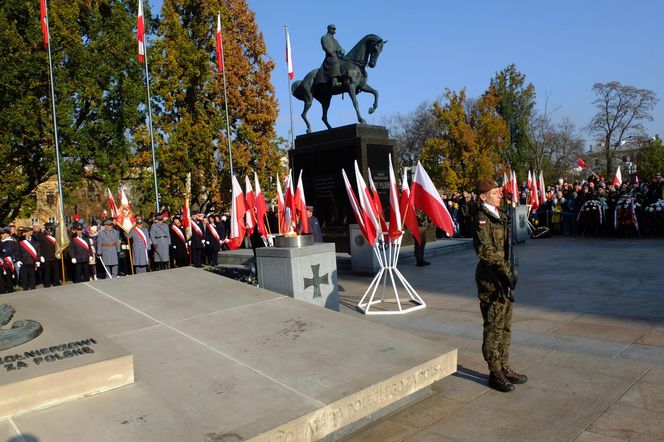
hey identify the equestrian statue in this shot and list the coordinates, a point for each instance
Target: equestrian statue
(340, 73)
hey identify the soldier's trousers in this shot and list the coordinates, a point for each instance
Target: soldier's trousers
(51, 273)
(28, 277)
(497, 316)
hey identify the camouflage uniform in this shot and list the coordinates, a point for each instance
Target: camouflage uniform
(492, 276)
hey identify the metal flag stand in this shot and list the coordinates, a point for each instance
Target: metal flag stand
(388, 257)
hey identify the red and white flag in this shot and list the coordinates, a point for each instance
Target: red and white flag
(238, 209)
(281, 208)
(371, 219)
(261, 207)
(43, 13)
(289, 202)
(140, 32)
(515, 193)
(111, 204)
(407, 211)
(301, 205)
(617, 181)
(529, 180)
(125, 218)
(250, 198)
(532, 187)
(289, 56)
(186, 218)
(425, 197)
(395, 213)
(375, 198)
(220, 46)
(368, 233)
(542, 188)
(507, 188)
(581, 163)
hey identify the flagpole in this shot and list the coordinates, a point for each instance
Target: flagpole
(290, 95)
(228, 125)
(154, 160)
(55, 121)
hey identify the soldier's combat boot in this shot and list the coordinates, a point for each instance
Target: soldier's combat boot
(498, 381)
(513, 376)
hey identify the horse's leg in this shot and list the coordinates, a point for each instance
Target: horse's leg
(364, 87)
(353, 96)
(325, 104)
(307, 105)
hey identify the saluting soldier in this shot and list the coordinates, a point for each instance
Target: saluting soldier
(80, 252)
(28, 259)
(179, 252)
(212, 241)
(108, 247)
(8, 255)
(140, 243)
(494, 277)
(161, 242)
(197, 239)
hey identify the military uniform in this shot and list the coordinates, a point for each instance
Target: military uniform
(197, 243)
(161, 242)
(108, 247)
(212, 243)
(139, 248)
(8, 255)
(331, 67)
(80, 252)
(179, 251)
(418, 249)
(51, 267)
(28, 259)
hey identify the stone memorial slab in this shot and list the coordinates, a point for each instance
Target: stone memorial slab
(49, 356)
(362, 257)
(520, 223)
(306, 273)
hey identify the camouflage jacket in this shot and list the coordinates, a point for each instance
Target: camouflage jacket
(490, 241)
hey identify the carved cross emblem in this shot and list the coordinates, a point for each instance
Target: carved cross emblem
(316, 281)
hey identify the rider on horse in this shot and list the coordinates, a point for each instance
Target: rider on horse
(331, 67)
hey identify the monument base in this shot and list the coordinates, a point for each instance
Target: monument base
(362, 257)
(306, 273)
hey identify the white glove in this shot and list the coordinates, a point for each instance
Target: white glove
(18, 264)
(42, 259)
(37, 264)
(188, 243)
(73, 260)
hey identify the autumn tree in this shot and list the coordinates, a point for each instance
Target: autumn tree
(621, 109)
(516, 104)
(469, 139)
(651, 158)
(411, 132)
(97, 88)
(189, 100)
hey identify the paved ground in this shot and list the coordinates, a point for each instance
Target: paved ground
(588, 330)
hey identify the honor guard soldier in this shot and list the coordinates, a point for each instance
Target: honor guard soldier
(494, 279)
(8, 254)
(161, 243)
(179, 252)
(80, 252)
(197, 239)
(28, 259)
(140, 243)
(108, 247)
(50, 268)
(212, 241)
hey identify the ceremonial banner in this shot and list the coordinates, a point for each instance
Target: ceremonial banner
(425, 197)
(407, 210)
(125, 218)
(395, 212)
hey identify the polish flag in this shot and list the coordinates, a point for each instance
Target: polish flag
(220, 47)
(140, 32)
(289, 57)
(532, 187)
(425, 197)
(368, 233)
(250, 215)
(506, 184)
(44, 21)
(125, 218)
(301, 205)
(375, 199)
(542, 188)
(515, 193)
(261, 207)
(407, 211)
(289, 202)
(581, 163)
(238, 209)
(618, 178)
(395, 212)
(111, 204)
(186, 218)
(371, 219)
(281, 208)
(529, 180)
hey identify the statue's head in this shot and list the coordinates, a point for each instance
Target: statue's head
(331, 29)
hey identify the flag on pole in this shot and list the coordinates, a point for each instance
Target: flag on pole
(220, 58)
(407, 210)
(368, 233)
(301, 205)
(506, 184)
(370, 217)
(542, 188)
(44, 21)
(515, 192)
(186, 218)
(581, 163)
(238, 209)
(289, 202)
(111, 204)
(61, 237)
(261, 207)
(281, 208)
(395, 213)
(618, 178)
(125, 218)
(140, 33)
(375, 199)
(250, 214)
(289, 56)
(425, 197)
(532, 187)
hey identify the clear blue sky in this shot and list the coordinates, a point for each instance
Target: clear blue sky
(562, 47)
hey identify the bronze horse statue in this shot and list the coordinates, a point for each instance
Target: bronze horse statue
(353, 80)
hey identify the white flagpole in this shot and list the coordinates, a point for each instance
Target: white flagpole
(55, 120)
(228, 125)
(147, 88)
(290, 95)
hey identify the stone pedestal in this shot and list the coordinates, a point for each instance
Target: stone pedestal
(520, 223)
(306, 273)
(322, 155)
(362, 257)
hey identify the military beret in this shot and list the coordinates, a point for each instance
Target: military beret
(159, 217)
(483, 186)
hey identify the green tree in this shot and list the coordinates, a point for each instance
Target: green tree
(98, 91)
(651, 158)
(516, 104)
(190, 107)
(470, 137)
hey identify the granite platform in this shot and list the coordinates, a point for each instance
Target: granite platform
(216, 359)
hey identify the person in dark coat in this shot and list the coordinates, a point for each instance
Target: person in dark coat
(8, 256)
(179, 247)
(108, 247)
(140, 244)
(80, 253)
(314, 225)
(28, 259)
(51, 266)
(212, 241)
(197, 238)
